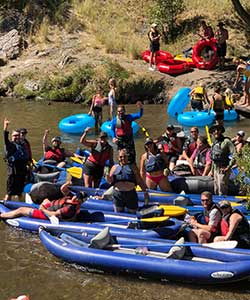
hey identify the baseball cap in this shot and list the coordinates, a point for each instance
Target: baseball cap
(22, 130)
(148, 141)
(56, 139)
(241, 133)
(170, 126)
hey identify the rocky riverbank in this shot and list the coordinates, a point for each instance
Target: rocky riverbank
(68, 68)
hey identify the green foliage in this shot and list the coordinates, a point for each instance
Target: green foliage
(243, 178)
(164, 13)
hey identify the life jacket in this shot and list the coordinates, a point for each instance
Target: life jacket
(124, 173)
(123, 127)
(57, 154)
(198, 93)
(229, 102)
(168, 142)
(154, 163)
(190, 146)
(100, 153)
(242, 228)
(19, 155)
(200, 158)
(60, 203)
(206, 217)
(218, 154)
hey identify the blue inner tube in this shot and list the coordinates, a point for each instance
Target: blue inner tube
(195, 118)
(179, 102)
(76, 124)
(106, 126)
(229, 115)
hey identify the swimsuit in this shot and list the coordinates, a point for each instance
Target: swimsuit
(157, 179)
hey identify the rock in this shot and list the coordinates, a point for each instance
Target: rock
(32, 86)
(67, 59)
(3, 59)
(10, 44)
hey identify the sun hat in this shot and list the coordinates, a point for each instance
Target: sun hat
(241, 133)
(216, 127)
(153, 25)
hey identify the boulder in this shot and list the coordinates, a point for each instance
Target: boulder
(10, 44)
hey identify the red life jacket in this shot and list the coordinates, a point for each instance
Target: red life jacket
(100, 154)
(168, 142)
(57, 154)
(242, 227)
(123, 127)
(60, 203)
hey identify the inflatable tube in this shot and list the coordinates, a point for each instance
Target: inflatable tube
(76, 124)
(41, 190)
(196, 55)
(195, 118)
(179, 102)
(198, 184)
(49, 177)
(173, 67)
(229, 115)
(160, 56)
(106, 126)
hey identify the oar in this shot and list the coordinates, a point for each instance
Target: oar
(146, 220)
(215, 245)
(144, 130)
(76, 159)
(208, 136)
(73, 171)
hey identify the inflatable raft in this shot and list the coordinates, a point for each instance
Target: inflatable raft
(76, 124)
(104, 253)
(179, 102)
(198, 49)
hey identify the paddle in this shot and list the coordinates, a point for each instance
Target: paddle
(146, 220)
(208, 136)
(215, 245)
(144, 130)
(77, 159)
(73, 171)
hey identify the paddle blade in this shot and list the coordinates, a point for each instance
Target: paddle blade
(75, 172)
(76, 159)
(222, 245)
(155, 219)
(172, 210)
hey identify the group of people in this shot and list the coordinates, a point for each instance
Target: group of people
(219, 222)
(205, 32)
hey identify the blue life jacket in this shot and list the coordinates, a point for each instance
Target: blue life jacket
(154, 163)
(18, 155)
(124, 173)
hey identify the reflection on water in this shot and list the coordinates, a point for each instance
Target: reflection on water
(27, 268)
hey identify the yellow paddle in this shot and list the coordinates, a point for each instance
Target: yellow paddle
(172, 210)
(76, 159)
(73, 171)
(154, 219)
(144, 130)
(208, 136)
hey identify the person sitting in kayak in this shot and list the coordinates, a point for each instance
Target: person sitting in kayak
(152, 165)
(101, 152)
(66, 208)
(55, 152)
(124, 177)
(199, 96)
(122, 131)
(234, 226)
(207, 225)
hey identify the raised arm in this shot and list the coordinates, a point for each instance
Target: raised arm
(45, 140)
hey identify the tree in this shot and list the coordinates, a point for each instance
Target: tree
(241, 11)
(243, 177)
(164, 13)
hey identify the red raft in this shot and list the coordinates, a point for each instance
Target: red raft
(197, 58)
(166, 63)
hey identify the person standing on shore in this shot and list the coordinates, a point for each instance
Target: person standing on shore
(222, 36)
(244, 69)
(112, 98)
(154, 45)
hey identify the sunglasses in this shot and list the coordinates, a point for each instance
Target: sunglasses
(205, 200)
(224, 206)
(15, 135)
(123, 156)
(193, 131)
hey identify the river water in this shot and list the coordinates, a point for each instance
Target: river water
(27, 268)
